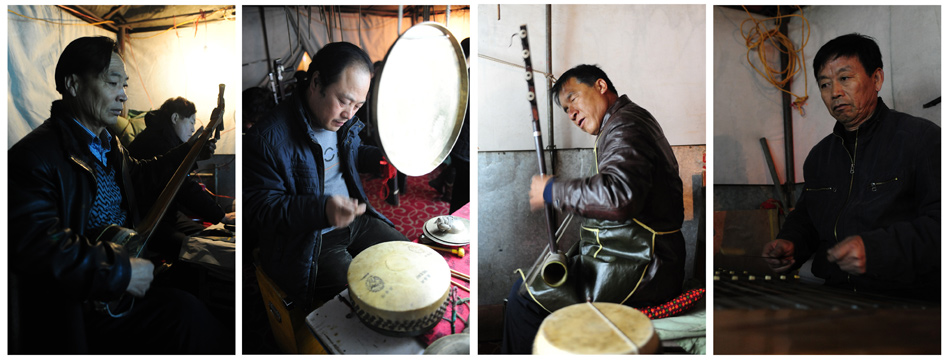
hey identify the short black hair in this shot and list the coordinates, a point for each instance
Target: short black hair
(180, 105)
(587, 74)
(850, 45)
(331, 60)
(84, 56)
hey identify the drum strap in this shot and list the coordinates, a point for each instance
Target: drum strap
(524, 281)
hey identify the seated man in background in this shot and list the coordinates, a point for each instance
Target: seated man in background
(166, 128)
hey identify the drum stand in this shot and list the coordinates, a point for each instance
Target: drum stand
(287, 322)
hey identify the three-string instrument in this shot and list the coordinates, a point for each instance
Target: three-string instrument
(554, 267)
(135, 240)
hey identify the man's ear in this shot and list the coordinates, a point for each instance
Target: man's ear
(175, 118)
(878, 78)
(315, 81)
(601, 86)
(72, 84)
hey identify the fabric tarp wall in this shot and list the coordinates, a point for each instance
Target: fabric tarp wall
(160, 65)
(375, 34)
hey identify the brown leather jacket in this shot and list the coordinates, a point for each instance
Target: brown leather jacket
(637, 177)
(637, 174)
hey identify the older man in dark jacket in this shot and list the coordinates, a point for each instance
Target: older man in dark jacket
(631, 251)
(304, 202)
(870, 211)
(69, 178)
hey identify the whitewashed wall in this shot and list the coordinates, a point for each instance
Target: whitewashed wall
(746, 108)
(655, 54)
(160, 66)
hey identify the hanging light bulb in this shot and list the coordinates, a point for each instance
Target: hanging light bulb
(304, 62)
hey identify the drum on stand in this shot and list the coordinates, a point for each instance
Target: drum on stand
(399, 288)
(596, 328)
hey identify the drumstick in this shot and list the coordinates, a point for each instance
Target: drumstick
(459, 285)
(460, 252)
(460, 275)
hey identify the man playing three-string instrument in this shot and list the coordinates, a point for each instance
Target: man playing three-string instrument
(633, 203)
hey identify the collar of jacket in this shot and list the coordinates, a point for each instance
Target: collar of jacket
(620, 103)
(71, 133)
(866, 130)
(352, 126)
(68, 130)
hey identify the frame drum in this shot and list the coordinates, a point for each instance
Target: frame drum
(596, 328)
(419, 98)
(399, 288)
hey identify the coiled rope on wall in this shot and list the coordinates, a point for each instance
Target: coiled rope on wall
(766, 31)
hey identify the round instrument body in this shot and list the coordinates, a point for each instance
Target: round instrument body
(399, 288)
(419, 98)
(455, 344)
(447, 230)
(596, 328)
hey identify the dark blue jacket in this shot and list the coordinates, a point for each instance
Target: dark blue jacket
(888, 192)
(284, 203)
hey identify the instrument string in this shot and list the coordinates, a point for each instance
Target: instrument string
(549, 76)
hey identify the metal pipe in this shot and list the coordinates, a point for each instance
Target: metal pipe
(326, 21)
(266, 43)
(290, 43)
(551, 146)
(787, 124)
(399, 22)
(778, 185)
(339, 22)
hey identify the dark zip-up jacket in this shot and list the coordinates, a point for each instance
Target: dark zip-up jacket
(52, 187)
(283, 191)
(887, 191)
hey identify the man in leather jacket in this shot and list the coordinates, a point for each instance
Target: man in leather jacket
(304, 202)
(869, 215)
(70, 177)
(636, 178)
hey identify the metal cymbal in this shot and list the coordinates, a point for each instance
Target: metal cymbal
(419, 98)
(447, 230)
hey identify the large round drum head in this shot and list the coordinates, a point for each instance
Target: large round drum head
(399, 288)
(419, 98)
(596, 328)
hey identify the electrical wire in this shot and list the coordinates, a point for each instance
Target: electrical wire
(760, 34)
(203, 15)
(60, 23)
